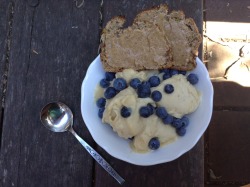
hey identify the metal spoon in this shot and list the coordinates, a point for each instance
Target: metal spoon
(58, 117)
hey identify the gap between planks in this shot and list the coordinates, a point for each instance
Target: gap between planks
(7, 47)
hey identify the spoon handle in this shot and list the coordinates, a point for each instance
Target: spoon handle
(98, 158)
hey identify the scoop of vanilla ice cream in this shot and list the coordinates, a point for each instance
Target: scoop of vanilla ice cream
(183, 100)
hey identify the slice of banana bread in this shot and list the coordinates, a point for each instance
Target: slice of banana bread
(155, 40)
(182, 34)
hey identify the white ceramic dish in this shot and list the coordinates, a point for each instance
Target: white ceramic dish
(119, 147)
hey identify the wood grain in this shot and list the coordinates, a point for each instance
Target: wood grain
(53, 42)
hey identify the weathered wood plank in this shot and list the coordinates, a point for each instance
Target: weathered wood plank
(186, 170)
(53, 43)
(227, 144)
(227, 10)
(3, 35)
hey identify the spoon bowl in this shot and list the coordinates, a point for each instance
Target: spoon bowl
(58, 117)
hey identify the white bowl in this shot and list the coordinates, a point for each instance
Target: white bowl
(119, 147)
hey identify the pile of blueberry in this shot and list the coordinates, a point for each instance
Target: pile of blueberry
(143, 90)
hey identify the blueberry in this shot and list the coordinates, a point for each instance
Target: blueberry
(154, 81)
(169, 88)
(156, 95)
(125, 112)
(173, 72)
(168, 119)
(146, 83)
(104, 83)
(143, 90)
(109, 76)
(145, 111)
(177, 123)
(161, 112)
(184, 121)
(182, 72)
(166, 76)
(100, 112)
(151, 108)
(120, 84)
(101, 102)
(154, 143)
(134, 83)
(192, 78)
(181, 131)
(109, 93)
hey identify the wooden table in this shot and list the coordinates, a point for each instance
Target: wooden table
(45, 50)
